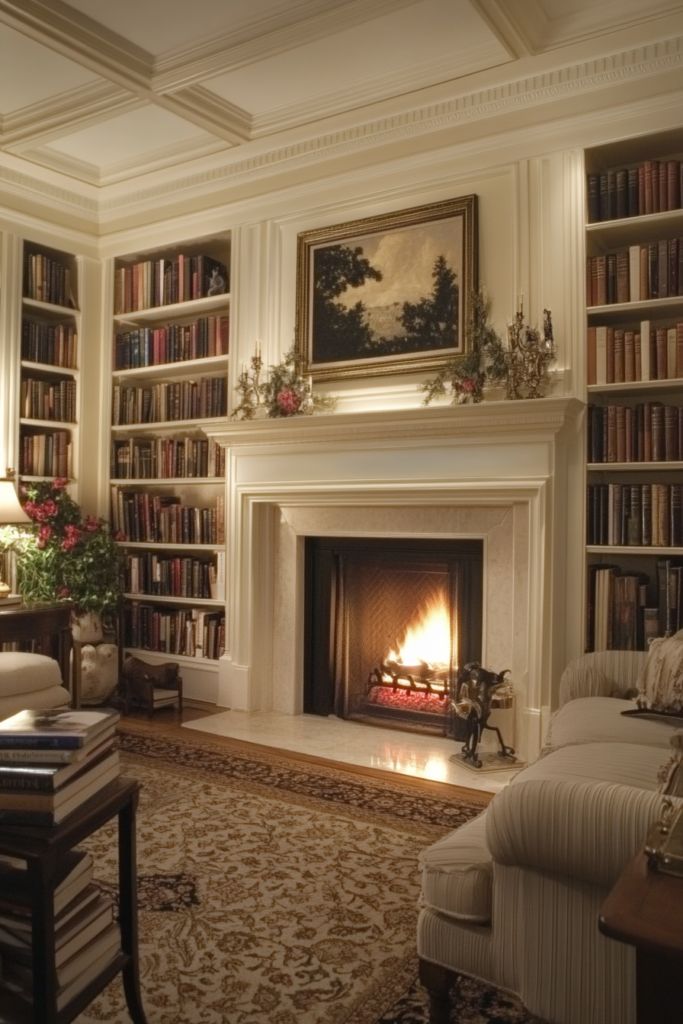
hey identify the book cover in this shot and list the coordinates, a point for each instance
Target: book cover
(17, 776)
(74, 873)
(56, 727)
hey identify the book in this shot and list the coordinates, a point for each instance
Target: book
(55, 727)
(91, 967)
(48, 777)
(90, 918)
(106, 942)
(74, 873)
(19, 923)
(50, 809)
(51, 800)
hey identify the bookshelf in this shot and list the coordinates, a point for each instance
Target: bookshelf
(634, 374)
(170, 356)
(49, 386)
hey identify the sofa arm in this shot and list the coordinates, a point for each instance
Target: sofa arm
(584, 830)
(602, 674)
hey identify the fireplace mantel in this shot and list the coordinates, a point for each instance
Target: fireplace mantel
(497, 470)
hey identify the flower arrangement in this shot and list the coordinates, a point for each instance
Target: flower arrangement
(66, 555)
(485, 361)
(285, 392)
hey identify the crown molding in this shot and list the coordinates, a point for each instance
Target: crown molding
(495, 101)
(153, 195)
(74, 109)
(207, 110)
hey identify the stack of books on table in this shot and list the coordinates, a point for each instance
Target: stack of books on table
(52, 761)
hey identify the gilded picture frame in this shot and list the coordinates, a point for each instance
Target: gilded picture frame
(387, 294)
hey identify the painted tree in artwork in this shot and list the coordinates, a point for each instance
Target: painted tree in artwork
(433, 322)
(341, 332)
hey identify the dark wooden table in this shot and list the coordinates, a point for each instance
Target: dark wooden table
(42, 848)
(50, 626)
(645, 909)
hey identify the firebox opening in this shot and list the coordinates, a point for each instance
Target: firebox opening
(388, 622)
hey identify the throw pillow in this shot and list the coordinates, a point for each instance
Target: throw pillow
(660, 684)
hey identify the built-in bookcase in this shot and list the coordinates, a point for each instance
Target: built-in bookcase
(49, 388)
(634, 360)
(170, 354)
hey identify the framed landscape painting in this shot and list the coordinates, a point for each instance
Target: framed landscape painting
(387, 294)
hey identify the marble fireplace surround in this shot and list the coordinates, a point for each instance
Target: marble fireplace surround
(492, 471)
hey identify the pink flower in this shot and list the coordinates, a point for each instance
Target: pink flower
(59, 483)
(63, 592)
(44, 534)
(72, 535)
(468, 384)
(91, 524)
(288, 401)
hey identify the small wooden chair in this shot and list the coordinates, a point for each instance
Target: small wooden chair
(150, 686)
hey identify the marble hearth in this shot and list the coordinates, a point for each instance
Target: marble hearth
(496, 471)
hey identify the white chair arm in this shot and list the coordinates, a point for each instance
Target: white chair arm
(601, 674)
(583, 830)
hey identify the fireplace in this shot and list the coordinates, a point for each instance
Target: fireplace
(499, 473)
(388, 622)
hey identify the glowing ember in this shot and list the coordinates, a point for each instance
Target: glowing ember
(428, 640)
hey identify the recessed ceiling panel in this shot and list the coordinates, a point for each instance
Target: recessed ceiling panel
(162, 25)
(129, 137)
(404, 48)
(30, 73)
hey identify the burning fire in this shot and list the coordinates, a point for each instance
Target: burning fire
(427, 640)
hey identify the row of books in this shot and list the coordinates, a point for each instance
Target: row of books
(639, 515)
(653, 186)
(163, 519)
(149, 574)
(48, 400)
(169, 400)
(626, 611)
(47, 280)
(51, 763)
(46, 453)
(616, 355)
(645, 432)
(163, 281)
(635, 274)
(53, 344)
(149, 458)
(192, 633)
(172, 343)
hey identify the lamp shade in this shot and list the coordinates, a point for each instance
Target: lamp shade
(10, 509)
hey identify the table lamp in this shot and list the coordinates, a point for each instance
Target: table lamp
(11, 513)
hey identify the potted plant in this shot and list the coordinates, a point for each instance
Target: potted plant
(66, 555)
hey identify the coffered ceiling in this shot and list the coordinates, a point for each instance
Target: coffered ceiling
(106, 92)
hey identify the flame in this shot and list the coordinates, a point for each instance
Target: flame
(427, 639)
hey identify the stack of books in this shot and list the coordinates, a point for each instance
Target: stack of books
(87, 937)
(51, 763)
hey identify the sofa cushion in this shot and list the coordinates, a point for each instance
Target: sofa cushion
(26, 673)
(631, 764)
(457, 872)
(660, 684)
(600, 720)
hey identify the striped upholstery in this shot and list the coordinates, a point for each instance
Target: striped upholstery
(456, 874)
(513, 897)
(600, 720)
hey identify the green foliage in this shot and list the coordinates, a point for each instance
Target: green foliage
(66, 555)
(485, 360)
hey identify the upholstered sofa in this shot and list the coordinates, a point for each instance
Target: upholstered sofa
(513, 896)
(30, 681)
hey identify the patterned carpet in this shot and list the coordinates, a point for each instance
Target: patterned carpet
(273, 891)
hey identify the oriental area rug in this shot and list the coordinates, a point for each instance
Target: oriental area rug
(273, 891)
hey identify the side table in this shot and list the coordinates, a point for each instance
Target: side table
(42, 848)
(644, 910)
